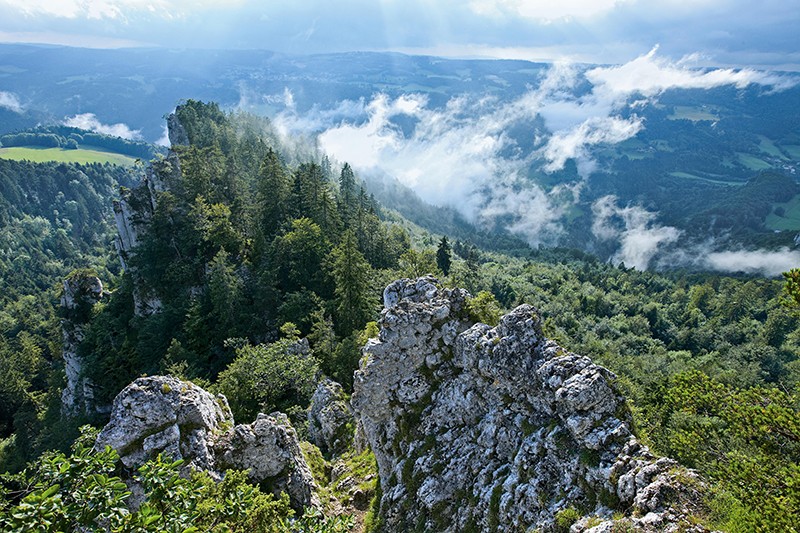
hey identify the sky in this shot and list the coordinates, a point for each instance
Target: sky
(717, 32)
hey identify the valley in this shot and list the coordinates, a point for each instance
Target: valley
(394, 266)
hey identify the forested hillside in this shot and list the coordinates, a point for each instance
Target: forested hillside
(245, 245)
(54, 218)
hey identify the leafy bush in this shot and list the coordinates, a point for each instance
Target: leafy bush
(268, 377)
(80, 492)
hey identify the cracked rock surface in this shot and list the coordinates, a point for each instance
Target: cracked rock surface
(496, 429)
(163, 414)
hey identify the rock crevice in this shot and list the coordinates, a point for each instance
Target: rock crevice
(480, 428)
(166, 415)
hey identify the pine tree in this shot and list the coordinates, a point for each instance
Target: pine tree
(444, 256)
(347, 195)
(273, 190)
(351, 273)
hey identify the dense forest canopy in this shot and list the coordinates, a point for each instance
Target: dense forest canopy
(247, 246)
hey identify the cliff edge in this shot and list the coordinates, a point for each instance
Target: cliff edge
(477, 428)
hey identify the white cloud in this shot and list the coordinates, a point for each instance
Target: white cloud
(650, 75)
(580, 122)
(634, 228)
(575, 143)
(768, 263)
(10, 101)
(463, 155)
(109, 9)
(543, 10)
(164, 139)
(88, 121)
(451, 157)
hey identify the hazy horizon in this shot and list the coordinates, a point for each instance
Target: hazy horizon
(720, 33)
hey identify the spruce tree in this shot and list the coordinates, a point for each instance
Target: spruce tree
(351, 273)
(444, 256)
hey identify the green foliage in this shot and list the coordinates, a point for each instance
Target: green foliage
(791, 289)
(747, 440)
(80, 491)
(268, 377)
(414, 264)
(565, 518)
(444, 256)
(484, 308)
(351, 274)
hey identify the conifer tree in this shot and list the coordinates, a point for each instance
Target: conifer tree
(444, 256)
(273, 190)
(347, 195)
(351, 273)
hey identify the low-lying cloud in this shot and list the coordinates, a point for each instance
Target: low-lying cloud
(634, 228)
(768, 263)
(580, 122)
(88, 121)
(470, 154)
(10, 101)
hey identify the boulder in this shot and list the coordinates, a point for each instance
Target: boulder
(269, 449)
(330, 421)
(165, 415)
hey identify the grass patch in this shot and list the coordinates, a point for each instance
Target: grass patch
(793, 150)
(694, 114)
(785, 216)
(686, 175)
(766, 145)
(752, 162)
(59, 155)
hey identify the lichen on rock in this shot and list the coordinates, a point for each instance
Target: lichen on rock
(330, 421)
(165, 415)
(495, 429)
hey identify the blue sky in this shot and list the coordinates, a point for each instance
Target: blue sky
(721, 32)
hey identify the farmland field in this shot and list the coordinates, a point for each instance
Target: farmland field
(82, 155)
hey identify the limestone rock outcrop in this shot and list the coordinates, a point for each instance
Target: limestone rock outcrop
(163, 414)
(270, 450)
(496, 429)
(80, 292)
(132, 213)
(330, 421)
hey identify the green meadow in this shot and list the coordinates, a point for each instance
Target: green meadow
(60, 155)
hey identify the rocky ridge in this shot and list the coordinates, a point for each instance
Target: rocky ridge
(165, 415)
(477, 428)
(80, 292)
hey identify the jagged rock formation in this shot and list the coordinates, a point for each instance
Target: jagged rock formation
(496, 429)
(269, 448)
(132, 212)
(163, 414)
(80, 293)
(176, 132)
(330, 421)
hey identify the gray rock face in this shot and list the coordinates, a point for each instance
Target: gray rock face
(176, 131)
(132, 212)
(163, 414)
(270, 450)
(79, 296)
(495, 429)
(330, 422)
